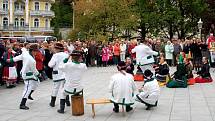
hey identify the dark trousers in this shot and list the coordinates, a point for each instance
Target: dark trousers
(116, 59)
(1, 71)
(116, 106)
(99, 61)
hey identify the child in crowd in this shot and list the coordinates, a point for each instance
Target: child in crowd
(150, 91)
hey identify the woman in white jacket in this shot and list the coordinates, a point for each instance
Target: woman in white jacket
(122, 87)
(150, 92)
(169, 52)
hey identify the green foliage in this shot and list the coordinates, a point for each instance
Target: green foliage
(110, 18)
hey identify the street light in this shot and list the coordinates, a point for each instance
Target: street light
(200, 23)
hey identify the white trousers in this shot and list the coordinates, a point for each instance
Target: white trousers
(29, 85)
(145, 67)
(212, 57)
(63, 94)
(122, 57)
(56, 87)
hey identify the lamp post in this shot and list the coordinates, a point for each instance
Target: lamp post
(200, 23)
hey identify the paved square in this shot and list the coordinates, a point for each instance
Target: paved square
(195, 103)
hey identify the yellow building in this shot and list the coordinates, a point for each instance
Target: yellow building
(25, 17)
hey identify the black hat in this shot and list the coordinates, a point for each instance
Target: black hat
(148, 73)
(75, 53)
(121, 65)
(33, 47)
(59, 46)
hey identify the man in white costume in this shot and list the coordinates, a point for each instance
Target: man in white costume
(29, 73)
(122, 87)
(58, 75)
(150, 92)
(73, 70)
(144, 56)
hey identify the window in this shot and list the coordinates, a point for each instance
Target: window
(5, 5)
(47, 7)
(37, 6)
(16, 5)
(16, 22)
(36, 23)
(47, 23)
(5, 23)
(22, 7)
(22, 22)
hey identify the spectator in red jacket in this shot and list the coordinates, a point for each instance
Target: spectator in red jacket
(39, 61)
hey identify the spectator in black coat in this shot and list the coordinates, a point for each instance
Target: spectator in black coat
(2, 50)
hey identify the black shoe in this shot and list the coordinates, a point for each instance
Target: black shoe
(156, 104)
(29, 97)
(52, 103)
(22, 104)
(23, 107)
(62, 106)
(67, 101)
(9, 87)
(148, 108)
(116, 110)
(128, 109)
(60, 111)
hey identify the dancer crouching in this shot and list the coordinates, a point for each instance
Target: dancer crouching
(122, 87)
(150, 92)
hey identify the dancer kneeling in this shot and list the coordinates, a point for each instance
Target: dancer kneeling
(180, 76)
(204, 74)
(189, 69)
(150, 92)
(122, 87)
(162, 71)
(73, 70)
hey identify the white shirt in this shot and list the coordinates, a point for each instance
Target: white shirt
(73, 73)
(54, 63)
(122, 88)
(29, 65)
(144, 54)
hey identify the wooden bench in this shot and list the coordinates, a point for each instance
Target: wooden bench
(97, 101)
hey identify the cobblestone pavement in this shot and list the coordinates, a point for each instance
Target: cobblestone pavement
(195, 103)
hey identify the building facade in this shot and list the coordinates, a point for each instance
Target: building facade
(26, 17)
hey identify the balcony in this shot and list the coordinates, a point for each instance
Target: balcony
(51, 1)
(3, 12)
(42, 29)
(42, 13)
(19, 13)
(32, 29)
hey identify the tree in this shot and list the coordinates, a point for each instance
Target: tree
(104, 17)
(63, 14)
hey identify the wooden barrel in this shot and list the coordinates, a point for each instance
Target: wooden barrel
(77, 105)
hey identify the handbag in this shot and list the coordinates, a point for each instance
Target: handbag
(12, 73)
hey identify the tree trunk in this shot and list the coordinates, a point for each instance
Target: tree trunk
(170, 31)
(143, 30)
(182, 36)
